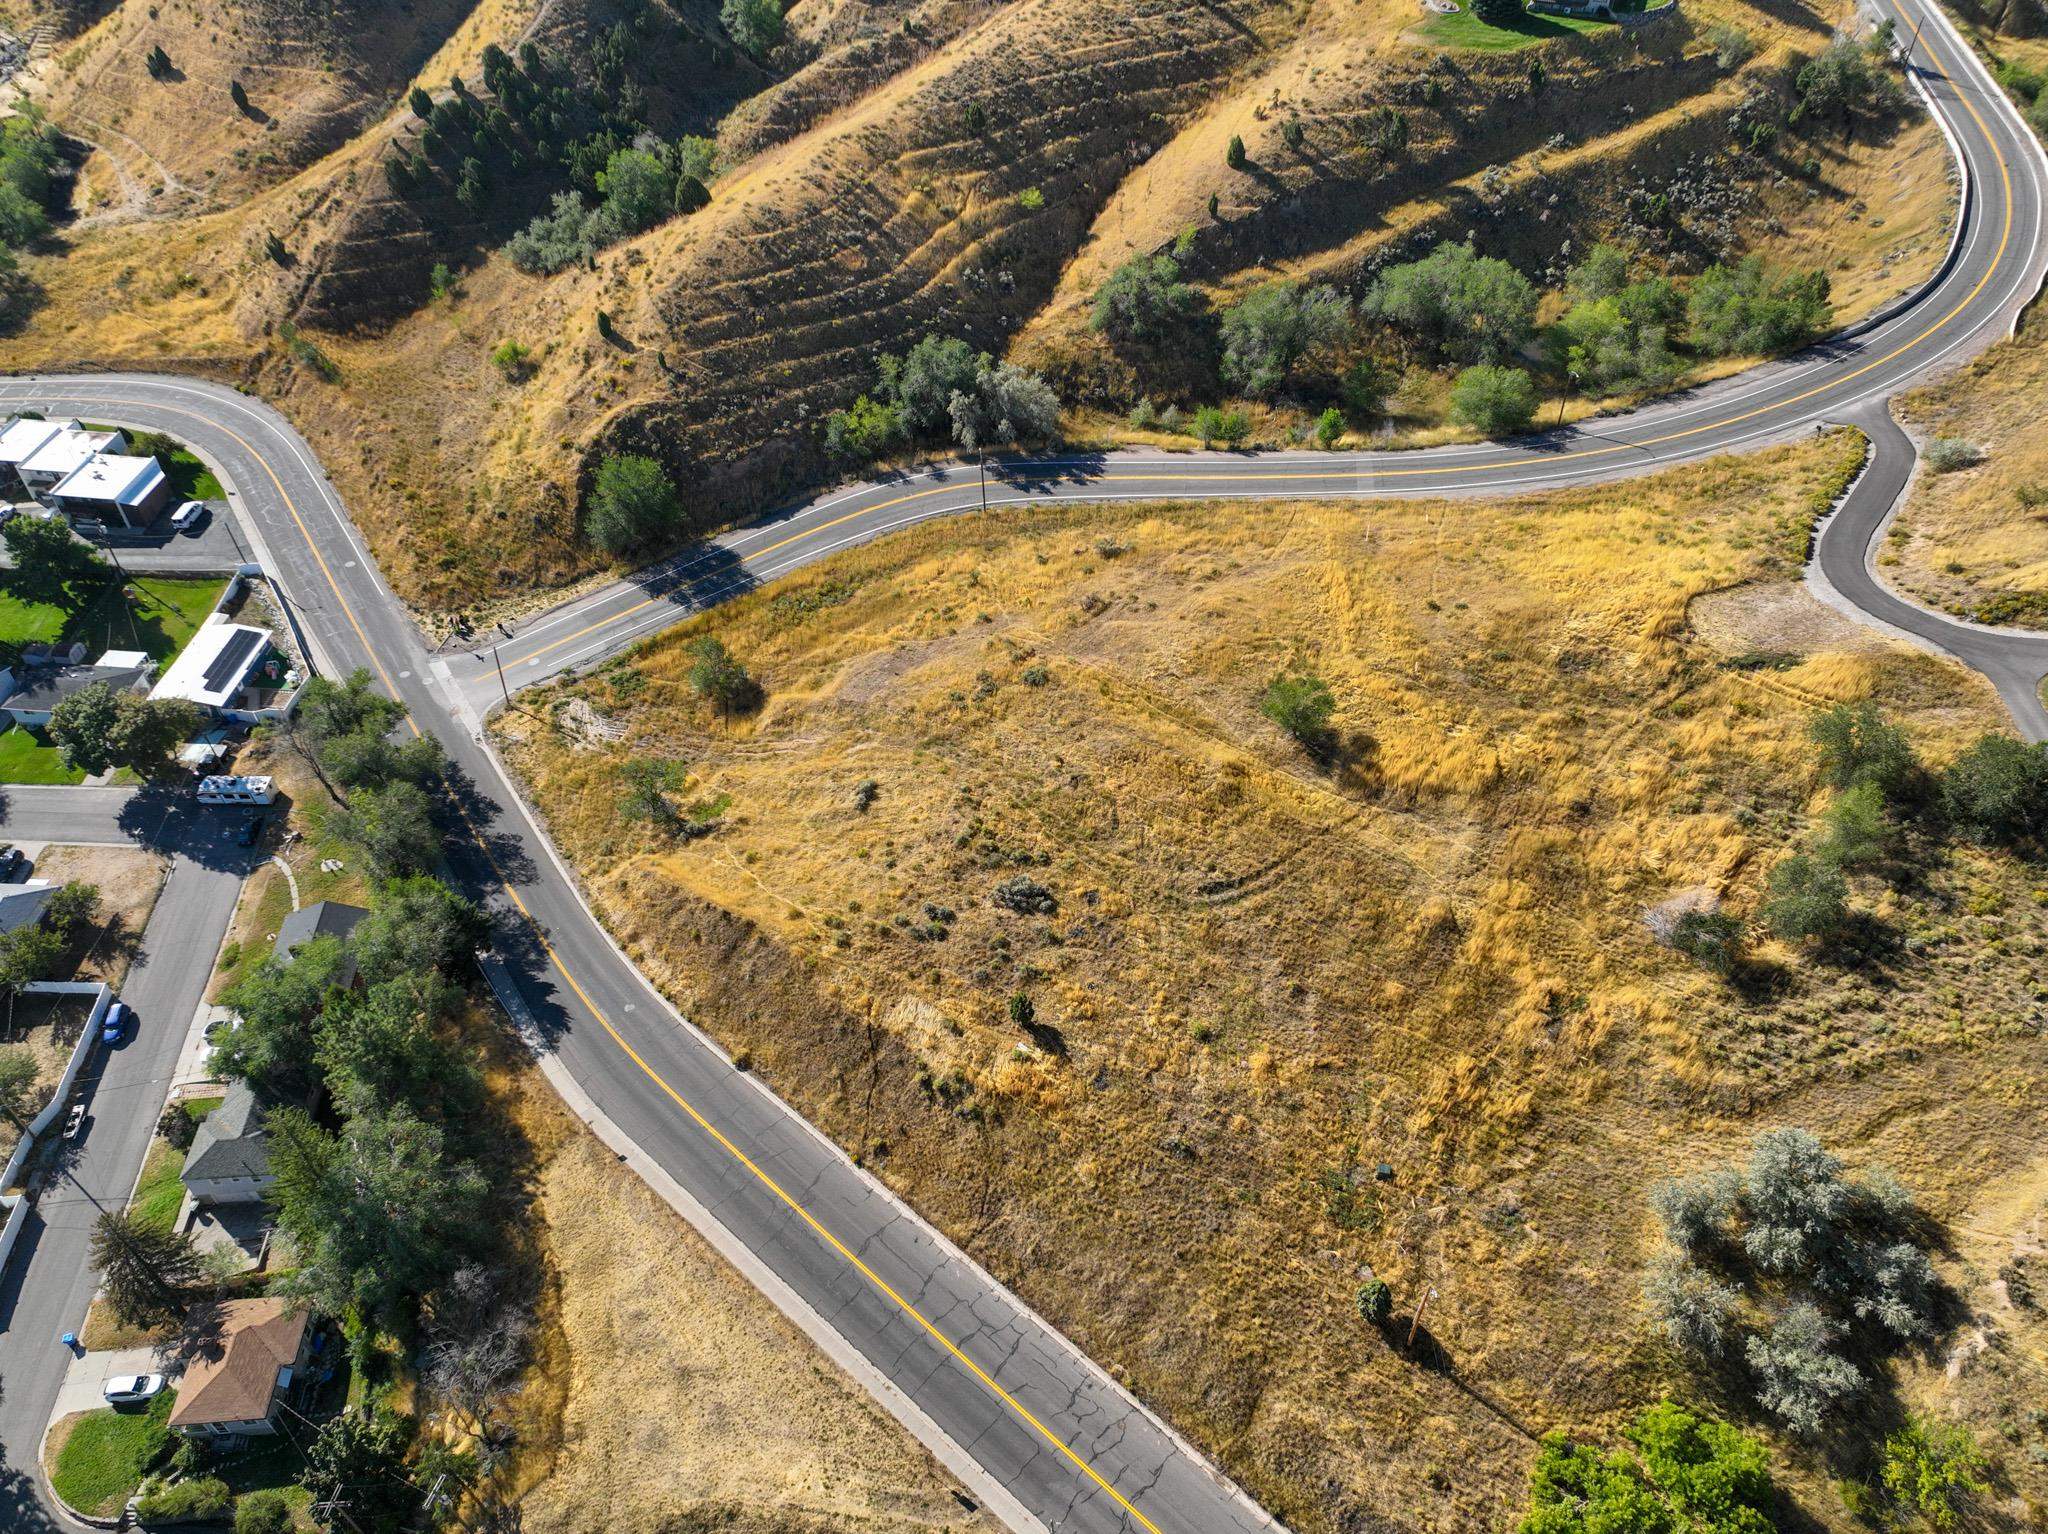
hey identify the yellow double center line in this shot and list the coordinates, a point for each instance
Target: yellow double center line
(717, 1135)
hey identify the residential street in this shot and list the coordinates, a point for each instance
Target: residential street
(47, 1284)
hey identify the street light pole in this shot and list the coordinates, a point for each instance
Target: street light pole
(983, 465)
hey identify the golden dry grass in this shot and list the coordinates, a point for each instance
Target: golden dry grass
(668, 1394)
(129, 879)
(1267, 975)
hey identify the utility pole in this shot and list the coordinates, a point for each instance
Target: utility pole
(983, 463)
(1415, 1323)
(501, 676)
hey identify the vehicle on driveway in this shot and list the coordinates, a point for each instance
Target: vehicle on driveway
(189, 518)
(131, 1389)
(252, 832)
(11, 863)
(115, 1024)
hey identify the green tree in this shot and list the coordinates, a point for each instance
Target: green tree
(278, 1003)
(421, 103)
(1712, 939)
(147, 1270)
(267, 1511)
(1329, 427)
(1234, 155)
(865, 429)
(1997, 790)
(329, 710)
(1499, 13)
(721, 680)
(1929, 1467)
(19, 1099)
(1845, 81)
(1739, 310)
(27, 953)
(71, 906)
(1854, 830)
(921, 383)
(754, 25)
(1493, 400)
(1858, 745)
(366, 760)
(1006, 404)
(633, 504)
(1365, 387)
(1213, 424)
(513, 360)
(417, 926)
(394, 825)
(644, 789)
(378, 1213)
(358, 1459)
(1302, 705)
(1806, 897)
(23, 221)
(50, 560)
(383, 1046)
(695, 157)
(1272, 328)
(638, 191)
(1143, 301)
(98, 728)
(1468, 307)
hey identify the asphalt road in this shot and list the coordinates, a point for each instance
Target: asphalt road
(48, 1281)
(992, 1388)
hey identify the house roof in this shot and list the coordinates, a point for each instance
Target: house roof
(21, 437)
(23, 903)
(235, 1377)
(114, 478)
(323, 918)
(232, 1141)
(44, 690)
(212, 668)
(65, 450)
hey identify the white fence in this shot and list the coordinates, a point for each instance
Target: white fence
(87, 1037)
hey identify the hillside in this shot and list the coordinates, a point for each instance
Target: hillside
(1260, 973)
(882, 173)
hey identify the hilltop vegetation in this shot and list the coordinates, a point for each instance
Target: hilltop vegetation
(1127, 885)
(565, 233)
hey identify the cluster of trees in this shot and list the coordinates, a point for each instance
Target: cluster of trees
(942, 389)
(632, 504)
(343, 731)
(1791, 1276)
(1678, 1474)
(638, 187)
(1994, 793)
(28, 165)
(1848, 82)
(33, 952)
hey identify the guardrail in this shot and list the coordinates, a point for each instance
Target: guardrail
(102, 997)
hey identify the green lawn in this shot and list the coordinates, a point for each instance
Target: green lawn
(167, 610)
(26, 756)
(104, 1459)
(159, 1194)
(1465, 30)
(191, 480)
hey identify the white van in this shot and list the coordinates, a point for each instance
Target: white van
(222, 789)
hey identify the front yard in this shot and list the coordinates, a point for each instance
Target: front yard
(27, 756)
(96, 1459)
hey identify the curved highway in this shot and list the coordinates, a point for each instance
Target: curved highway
(1039, 1433)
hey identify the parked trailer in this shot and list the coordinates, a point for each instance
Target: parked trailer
(226, 789)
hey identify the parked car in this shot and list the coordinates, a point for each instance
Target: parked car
(131, 1389)
(11, 863)
(75, 1121)
(189, 518)
(115, 1024)
(251, 832)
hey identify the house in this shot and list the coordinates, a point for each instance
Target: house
(323, 918)
(21, 439)
(222, 660)
(241, 1377)
(113, 489)
(22, 904)
(42, 688)
(65, 451)
(229, 1162)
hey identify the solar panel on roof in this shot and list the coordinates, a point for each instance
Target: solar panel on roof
(233, 658)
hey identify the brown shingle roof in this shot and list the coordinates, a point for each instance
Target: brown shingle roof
(232, 1380)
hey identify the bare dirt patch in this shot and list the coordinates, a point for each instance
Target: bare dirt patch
(129, 880)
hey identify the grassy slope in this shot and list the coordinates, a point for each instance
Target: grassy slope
(105, 1452)
(1267, 977)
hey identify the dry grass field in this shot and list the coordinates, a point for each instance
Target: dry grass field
(668, 1395)
(1267, 974)
(874, 189)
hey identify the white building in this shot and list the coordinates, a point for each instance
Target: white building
(113, 488)
(64, 453)
(217, 665)
(20, 440)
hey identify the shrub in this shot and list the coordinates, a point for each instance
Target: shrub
(1302, 705)
(1738, 310)
(553, 240)
(1234, 156)
(1003, 404)
(513, 359)
(1697, 1211)
(865, 429)
(1270, 330)
(1794, 1197)
(1732, 46)
(1806, 898)
(1025, 896)
(1690, 1473)
(1143, 300)
(1375, 1302)
(1997, 790)
(1857, 746)
(186, 1502)
(1800, 1379)
(1498, 13)
(263, 1512)
(632, 503)
(638, 192)
(177, 1126)
(1031, 199)
(1329, 427)
(1945, 455)
(1711, 939)
(1928, 1467)
(1229, 427)
(1694, 1309)
(1493, 400)
(1366, 385)
(1853, 828)
(921, 383)
(1845, 81)
(718, 677)
(1470, 308)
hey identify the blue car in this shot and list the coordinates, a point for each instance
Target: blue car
(115, 1024)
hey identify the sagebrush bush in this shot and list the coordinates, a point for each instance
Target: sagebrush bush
(1945, 455)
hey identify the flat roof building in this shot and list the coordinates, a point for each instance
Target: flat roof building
(20, 440)
(216, 665)
(113, 487)
(64, 452)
